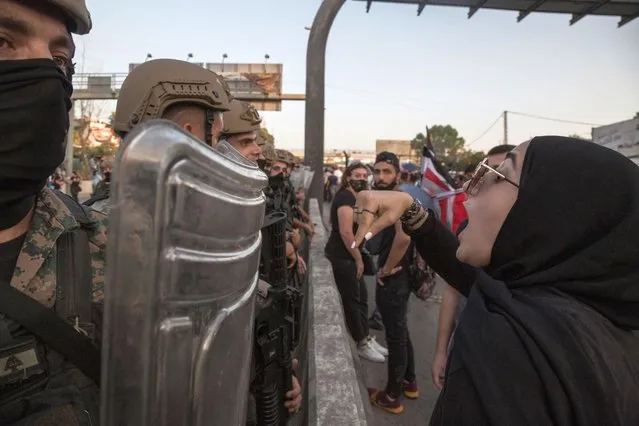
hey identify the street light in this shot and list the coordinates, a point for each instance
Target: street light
(224, 56)
(307, 28)
(266, 58)
(148, 56)
(189, 57)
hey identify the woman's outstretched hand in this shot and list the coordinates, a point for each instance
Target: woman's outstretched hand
(377, 210)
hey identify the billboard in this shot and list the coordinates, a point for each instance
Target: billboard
(253, 82)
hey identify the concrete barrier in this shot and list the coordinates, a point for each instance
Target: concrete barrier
(335, 393)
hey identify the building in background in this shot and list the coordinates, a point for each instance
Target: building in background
(622, 137)
(401, 148)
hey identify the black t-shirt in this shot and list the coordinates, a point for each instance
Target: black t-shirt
(335, 246)
(381, 245)
(9, 253)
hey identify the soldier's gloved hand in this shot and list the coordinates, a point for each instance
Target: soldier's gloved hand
(294, 397)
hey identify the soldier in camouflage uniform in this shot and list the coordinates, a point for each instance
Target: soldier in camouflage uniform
(240, 129)
(42, 386)
(183, 92)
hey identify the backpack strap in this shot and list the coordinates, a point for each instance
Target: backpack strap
(74, 278)
(94, 199)
(52, 330)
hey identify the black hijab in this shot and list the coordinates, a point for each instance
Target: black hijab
(545, 336)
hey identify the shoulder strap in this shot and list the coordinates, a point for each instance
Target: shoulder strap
(74, 279)
(94, 199)
(51, 330)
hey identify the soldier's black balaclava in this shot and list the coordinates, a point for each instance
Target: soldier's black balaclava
(35, 98)
(276, 181)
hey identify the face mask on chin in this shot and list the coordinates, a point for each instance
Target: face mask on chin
(358, 185)
(385, 187)
(35, 99)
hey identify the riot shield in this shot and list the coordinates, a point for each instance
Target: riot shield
(183, 258)
(227, 150)
(297, 178)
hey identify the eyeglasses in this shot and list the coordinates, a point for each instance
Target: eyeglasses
(474, 184)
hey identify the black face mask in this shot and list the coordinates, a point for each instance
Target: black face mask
(107, 177)
(382, 187)
(358, 185)
(35, 99)
(276, 181)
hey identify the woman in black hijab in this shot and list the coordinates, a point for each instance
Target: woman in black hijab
(547, 334)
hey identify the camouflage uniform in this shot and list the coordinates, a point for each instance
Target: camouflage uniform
(35, 271)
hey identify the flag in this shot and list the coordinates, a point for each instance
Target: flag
(439, 185)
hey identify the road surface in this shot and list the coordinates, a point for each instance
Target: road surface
(422, 325)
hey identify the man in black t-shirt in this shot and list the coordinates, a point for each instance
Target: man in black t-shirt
(392, 294)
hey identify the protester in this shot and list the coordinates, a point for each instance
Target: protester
(347, 263)
(546, 336)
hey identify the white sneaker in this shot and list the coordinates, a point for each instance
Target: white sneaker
(366, 351)
(379, 348)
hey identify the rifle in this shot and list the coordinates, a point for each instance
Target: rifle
(275, 328)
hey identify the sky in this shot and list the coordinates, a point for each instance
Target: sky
(390, 73)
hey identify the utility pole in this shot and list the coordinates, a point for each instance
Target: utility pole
(505, 127)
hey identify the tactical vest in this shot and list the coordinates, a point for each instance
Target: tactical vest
(49, 359)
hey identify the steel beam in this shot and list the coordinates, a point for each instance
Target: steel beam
(531, 9)
(420, 6)
(576, 17)
(625, 19)
(475, 8)
(368, 5)
(315, 91)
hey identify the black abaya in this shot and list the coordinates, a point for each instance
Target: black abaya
(546, 338)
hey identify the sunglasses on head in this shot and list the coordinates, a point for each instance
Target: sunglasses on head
(474, 184)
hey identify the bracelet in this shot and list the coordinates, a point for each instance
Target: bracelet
(411, 212)
(414, 216)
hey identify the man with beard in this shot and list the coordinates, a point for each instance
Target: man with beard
(44, 282)
(392, 293)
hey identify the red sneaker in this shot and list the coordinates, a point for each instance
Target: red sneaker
(383, 401)
(410, 389)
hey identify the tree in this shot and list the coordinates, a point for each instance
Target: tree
(447, 143)
(82, 131)
(576, 136)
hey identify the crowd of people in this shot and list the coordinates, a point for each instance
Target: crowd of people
(547, 261)
(539, 316)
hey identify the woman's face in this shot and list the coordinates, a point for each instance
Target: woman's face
(487, 209)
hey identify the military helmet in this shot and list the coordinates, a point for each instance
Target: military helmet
(76, 13)
(285, 157)
(268, 151)
(155, 85)
(241, 118)
(261, 140)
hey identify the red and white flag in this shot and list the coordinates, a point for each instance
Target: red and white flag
(442, 188)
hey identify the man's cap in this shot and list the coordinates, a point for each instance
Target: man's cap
(388, 157)
(77, 14)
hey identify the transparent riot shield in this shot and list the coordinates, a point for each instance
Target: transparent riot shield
(183, 257)
(297, 178)
(227, 150)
